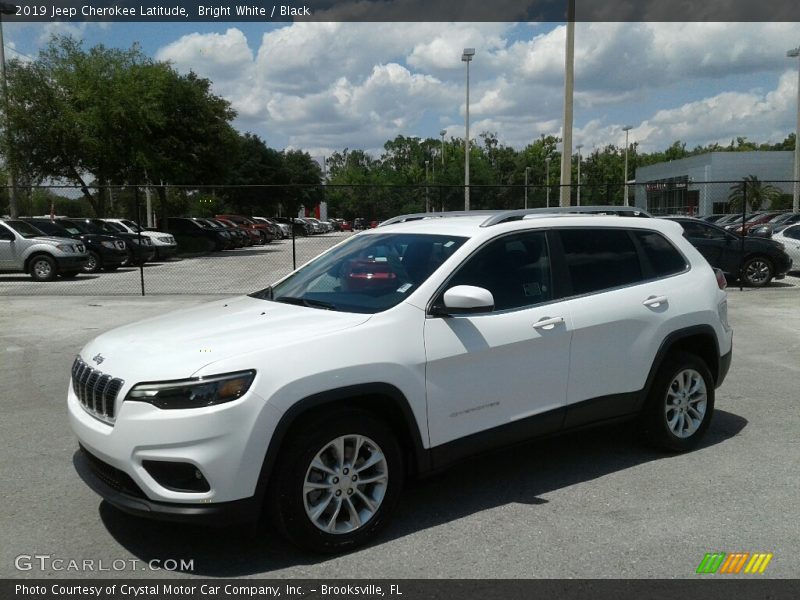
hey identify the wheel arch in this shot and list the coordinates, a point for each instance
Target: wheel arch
(33, 255)
(700, 340)
(382, 399)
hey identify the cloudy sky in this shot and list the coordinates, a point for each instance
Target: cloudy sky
(322, 87)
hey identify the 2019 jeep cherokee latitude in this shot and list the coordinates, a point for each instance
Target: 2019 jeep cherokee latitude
(393, 354)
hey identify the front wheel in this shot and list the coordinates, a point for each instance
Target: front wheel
(336, 481)
(92, 264)
(43, 268)
(680, 404)
(757, 271)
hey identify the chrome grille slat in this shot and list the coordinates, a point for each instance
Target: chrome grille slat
(96, 391)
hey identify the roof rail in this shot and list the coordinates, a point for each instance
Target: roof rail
(517, 215)
(437, 215)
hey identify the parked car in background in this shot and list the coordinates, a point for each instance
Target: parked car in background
(139, 250)
(196, 236)
(715, 218)
(762, 261)
(301, 228)
(265, 231)
(253, 237)
(26, 249)
(238, 238)
(316, 226)
(105, 251)
(790, 238)
(282, 230)
(754, 221)
(163, 243)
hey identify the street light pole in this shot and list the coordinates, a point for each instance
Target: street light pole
(547, 178)
(427, 198)
(578, 148)
(466, 57)
(796, 191)
(626, 129)
(565, 188)
(13, 211)
(526, 186)
(442, 133)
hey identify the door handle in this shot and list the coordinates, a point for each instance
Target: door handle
(548, 323)
(655, 301)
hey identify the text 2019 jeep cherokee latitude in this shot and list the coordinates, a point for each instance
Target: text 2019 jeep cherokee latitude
(392, 354)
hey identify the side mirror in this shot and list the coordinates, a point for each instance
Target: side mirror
(466, 300)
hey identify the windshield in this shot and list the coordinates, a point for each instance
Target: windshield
(115, 227)
(133, 225)
(51, 228)
(80, 227)
(367, 274)
(26, 230)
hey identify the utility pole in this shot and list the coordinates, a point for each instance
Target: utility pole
(578, 148)
(569, 85)
(467, 58)
(796, 190)
(13, 210)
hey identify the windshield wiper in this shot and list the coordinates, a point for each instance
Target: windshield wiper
(305, 302)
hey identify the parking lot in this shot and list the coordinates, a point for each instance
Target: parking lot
(237, 271)
(596, 504)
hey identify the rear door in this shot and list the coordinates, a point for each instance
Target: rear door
(8, 250)
(624, 289)
(709, 241)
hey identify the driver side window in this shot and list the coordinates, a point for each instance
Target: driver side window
(514, 268)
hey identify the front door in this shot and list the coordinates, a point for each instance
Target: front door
(506, 365)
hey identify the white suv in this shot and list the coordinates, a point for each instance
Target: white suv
(393, 354)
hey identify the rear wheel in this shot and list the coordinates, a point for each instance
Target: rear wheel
(43, 268)
(680, 404)
(757, 271)
(336, 481)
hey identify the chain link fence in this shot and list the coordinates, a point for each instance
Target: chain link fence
(177, 249)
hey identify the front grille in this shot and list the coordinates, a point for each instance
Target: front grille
(111, 476)
(121, 245)
(96, 391)
(79, 247)
(147, 241)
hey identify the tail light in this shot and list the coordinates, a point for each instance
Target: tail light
(721, 281)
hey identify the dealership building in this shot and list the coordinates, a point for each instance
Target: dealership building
(700, 185)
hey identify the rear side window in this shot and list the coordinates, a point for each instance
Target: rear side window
(663, 257)
(792, 232)
(600, 259)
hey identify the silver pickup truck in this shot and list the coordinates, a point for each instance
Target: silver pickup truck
(24, 248)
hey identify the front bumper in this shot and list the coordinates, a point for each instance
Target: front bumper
(71, 263)
(226, 443)
(724, 367)
(119, 490)
(165, 251)
(112, 258)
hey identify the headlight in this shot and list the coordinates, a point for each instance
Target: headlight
(193, 393)
(108, 245)
(166, 239)
(66, 247)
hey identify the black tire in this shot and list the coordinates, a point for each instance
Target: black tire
(43, 268)
(129, 261)
(661, 422)
(287, 499)
(68, 274)
(757, 271)
(93, 264)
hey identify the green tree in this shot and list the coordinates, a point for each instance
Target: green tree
(758, 193)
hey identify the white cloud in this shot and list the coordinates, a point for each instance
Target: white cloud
(322, 86)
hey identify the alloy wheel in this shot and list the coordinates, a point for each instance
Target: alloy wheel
(686, 402)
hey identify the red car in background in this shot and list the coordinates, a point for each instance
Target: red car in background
(263, 232)
(255, 236)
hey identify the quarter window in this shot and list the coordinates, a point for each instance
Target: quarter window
(663, 257)
(599, 259)
(792, 232)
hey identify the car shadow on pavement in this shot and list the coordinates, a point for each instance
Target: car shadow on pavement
(518, 475)
(29, 279)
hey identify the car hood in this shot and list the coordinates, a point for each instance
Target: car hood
(178, 344)
(54, 240)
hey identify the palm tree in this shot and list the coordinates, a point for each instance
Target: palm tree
(758, 194)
